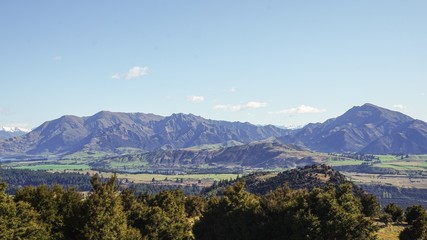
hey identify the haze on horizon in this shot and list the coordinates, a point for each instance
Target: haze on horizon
(277, 62)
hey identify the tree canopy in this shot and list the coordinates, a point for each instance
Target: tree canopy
(106, 212)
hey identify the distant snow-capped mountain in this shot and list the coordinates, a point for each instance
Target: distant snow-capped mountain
(291, 127)
(8, 132)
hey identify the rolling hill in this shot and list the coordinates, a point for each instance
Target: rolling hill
(263, 154)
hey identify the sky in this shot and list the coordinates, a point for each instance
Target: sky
(286, 63)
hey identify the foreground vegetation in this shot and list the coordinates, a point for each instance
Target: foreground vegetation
(330, 212)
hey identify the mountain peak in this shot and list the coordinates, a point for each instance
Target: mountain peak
(370, 105)
(8, 132)
(366, 128)
(107, 131)
(14, 129)
(369, 113)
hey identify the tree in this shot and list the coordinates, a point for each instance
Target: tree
(104, 217)
(46, 201)
(417, 218)
(234, 216)
(286, 214)
(19, 220)
(162, 216)
(415, 212)
(194, 206)
(416, 231)
(395, 211)
(339, 213)
(70, 209)
(370, 205)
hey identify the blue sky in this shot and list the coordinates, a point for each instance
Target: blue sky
(264, 62)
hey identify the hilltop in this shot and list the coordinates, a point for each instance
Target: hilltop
(307, 177)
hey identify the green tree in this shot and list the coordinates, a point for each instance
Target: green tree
(234, 216)
(339, 213)
(370, 205)
(104, 217)
(128, 199)
(286, 213)
(70, 209)
(395, 211)
(195, 206)
(415, 212)
(161, 216)
(19, 220)
(416, 231)
(46, 201)
(416, 216)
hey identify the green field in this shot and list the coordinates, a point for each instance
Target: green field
(387, 158)
(55, 167)
(348, 162)
(410, 163)
(136, 164)
(145, 177)
(404, 166)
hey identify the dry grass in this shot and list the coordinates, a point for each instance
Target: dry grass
(390, 232)
(404, 181)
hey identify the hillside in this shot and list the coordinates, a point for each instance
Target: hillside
(108, 131)
(307, 177)
(264, 154)
(367, 129)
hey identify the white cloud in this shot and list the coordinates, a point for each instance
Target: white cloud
(115, 76)
(132, 73)
(255, 105)
(196, 98)
(399, 107)
(232, 90)
(241, 107)
(300, 110)
(136, 72)
(57, 58)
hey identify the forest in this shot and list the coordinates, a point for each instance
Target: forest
(106, 212)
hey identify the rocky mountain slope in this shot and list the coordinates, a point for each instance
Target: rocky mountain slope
(107, 131)
(264, 154)
(366, 129)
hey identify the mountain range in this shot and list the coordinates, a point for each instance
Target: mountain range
(9, 132)
(109, 131)
(367, 129)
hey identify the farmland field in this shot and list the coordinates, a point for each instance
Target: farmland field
(55, 167)
(149, 177)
